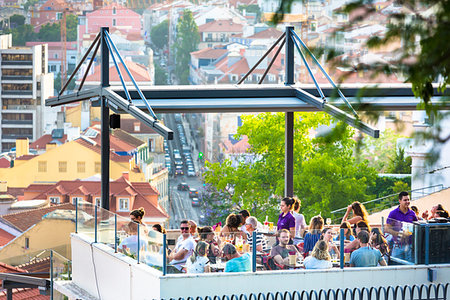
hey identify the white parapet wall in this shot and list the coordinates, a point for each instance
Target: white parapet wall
(108, 275)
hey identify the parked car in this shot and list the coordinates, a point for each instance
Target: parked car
(193, 193)
(183, 186)
(195, 202)
(190, 173)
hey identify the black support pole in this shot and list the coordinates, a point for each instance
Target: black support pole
(289, 119)
(105, 121)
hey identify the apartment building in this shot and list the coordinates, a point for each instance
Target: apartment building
(24, 85)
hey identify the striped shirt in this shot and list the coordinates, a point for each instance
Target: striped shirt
(260, 240)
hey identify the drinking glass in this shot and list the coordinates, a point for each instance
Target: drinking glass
(328, 221)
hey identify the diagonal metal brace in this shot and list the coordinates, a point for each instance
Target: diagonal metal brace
(337, 113)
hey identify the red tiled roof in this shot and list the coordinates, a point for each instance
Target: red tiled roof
(116, 144)
(25, 219)
(97, 148)
(119, 187)
(5, 162)
(126, 137)
(127, 125)
(26, 157)
(140, 73)
(41, 142)
(5, 268)
(269, 33)
(38, 265)
(5, 237)
(209, 53)
(220, 26)
(25, 294)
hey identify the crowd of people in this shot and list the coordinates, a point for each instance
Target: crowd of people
(316, 246)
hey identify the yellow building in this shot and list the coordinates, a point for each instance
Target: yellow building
(78, 159)
(51, 232)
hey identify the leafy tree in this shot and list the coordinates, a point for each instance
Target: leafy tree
(160, 76)
(22, 34)
(50, 32)
(57, 83)
(186, 42)
(16, 20)
(160, 34)
(71, 25)
(29, 3)
(326, 175)
(400, 164)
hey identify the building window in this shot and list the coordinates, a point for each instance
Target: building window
(27, 243)
(98, 201)
(114, 11)
(55, 200)
(137, 127)
(81, 167)
(124, 204)
(62, 166)
(76, 199)
(42, 166)
(98, 167)
(114, 22)
(56, 55)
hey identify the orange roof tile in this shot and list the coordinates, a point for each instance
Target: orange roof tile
(209, 53)
(140, 73)
(25, 219)
(25, 294)
(5, 237)
(269, 33)
(41, 142)
(97, 148)
(221, 26)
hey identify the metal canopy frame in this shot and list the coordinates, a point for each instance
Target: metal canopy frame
(223, 98)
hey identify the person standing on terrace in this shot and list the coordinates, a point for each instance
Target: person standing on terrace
(183, 249)
(300, 224)
(235, 261)
(286, 220)
(400, 214)
(366, 256)
(359, 213)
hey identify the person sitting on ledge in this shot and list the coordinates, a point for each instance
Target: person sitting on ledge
(366, 256)
(235, 261)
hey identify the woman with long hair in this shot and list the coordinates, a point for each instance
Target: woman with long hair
(198, 262)
(207, 235)
(313, 235)
(232, 227)
(300, 224)
(320, 257)
(377, 241)
(361, 225)
(348, 236)
(359, 213)
(327, 236)
(137, 215)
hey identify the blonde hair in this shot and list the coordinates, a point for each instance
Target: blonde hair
(200, 250)
(320, 251)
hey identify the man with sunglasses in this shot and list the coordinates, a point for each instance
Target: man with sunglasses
(184, 248)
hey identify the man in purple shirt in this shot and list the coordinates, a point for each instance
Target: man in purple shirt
(401, 245)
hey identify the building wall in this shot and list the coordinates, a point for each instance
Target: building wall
(47, 234)
(125, 19)
(25, 173)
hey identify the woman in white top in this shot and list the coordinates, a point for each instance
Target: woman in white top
(320, 258)
(300, 224)
(198, 262)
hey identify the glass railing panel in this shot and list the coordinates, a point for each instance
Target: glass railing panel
(86, 219)
(400, 237)
(61, 267)
(152, 250)
(105, 227)
(127, 238)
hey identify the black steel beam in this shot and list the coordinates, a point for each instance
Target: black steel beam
(25, 279)
(105, 121)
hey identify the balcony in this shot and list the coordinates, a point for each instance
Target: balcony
(17, 122)
(17, 136)
(99, 270)
(17, 93)
(18, 107)
(17, 77)
(17, 63)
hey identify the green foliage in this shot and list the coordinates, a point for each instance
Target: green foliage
(160, 34)
(187, 41)
(16, 20)
(252, 8)
(57, 83)
(380, 152)
(50, 32)
(388, 185)
(29, 3)
(400, 164)
(160, 75)
(326, 175)
(71, 26)
(22, 34)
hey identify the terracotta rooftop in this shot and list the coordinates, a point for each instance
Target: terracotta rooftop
(42, 142)
(26, 157)
(220, 26)
(269, 33)
(209, 53)
(5, 162)
(25, 219)
(128, 125)
(97, 148)
(126, 137)
(25, 294)
(38, 265)
(140, 73)
(5, 237)
(5, 268)
(116, 144)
